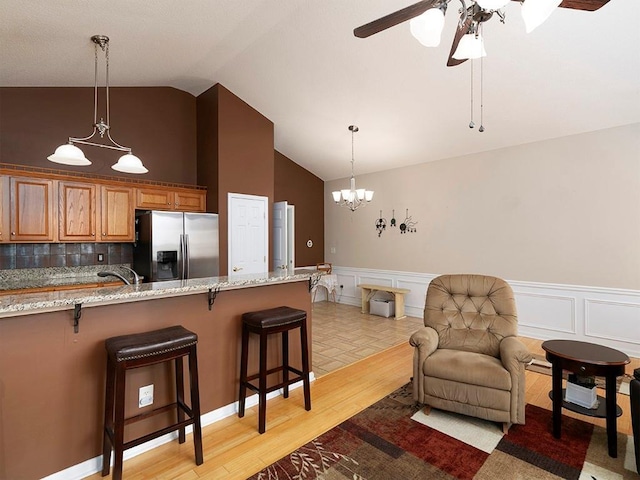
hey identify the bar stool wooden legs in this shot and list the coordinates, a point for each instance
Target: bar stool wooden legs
(140, 350)
(265, 323)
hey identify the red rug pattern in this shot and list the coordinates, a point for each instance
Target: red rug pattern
(383, 442)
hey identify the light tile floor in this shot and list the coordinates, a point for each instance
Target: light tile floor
(342, 335)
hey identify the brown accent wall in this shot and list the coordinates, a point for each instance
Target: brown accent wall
(240, 157)
(158, 123)
(305, 191)
(53, 380)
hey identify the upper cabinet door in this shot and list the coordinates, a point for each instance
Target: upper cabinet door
(118, 213)
(190, 201)
(4, 209)
(77, 212)
(181, 200)
(32, 212)
(154, 199)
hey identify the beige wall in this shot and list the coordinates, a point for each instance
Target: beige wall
(562, 211)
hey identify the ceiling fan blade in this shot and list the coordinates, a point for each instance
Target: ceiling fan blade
(589, 5)
(462, 30)
(395, 18)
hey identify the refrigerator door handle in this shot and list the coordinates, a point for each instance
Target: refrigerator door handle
(182, 258)
(186, 256)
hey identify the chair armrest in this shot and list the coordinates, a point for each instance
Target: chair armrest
(425, 340)
(513, 353)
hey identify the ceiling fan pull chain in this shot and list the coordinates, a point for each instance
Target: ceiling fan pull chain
(471, 124)
(481, 129)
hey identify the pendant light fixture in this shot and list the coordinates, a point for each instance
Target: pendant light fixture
(352, 198)
(70, 154)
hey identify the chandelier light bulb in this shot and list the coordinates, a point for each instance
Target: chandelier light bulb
(427, 28)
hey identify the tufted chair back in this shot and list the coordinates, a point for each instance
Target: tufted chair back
(471, 312)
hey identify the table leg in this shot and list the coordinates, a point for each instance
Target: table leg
(365, 301)
(612, 430)
(556, 382)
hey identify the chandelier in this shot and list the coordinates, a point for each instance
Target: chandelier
(352, 198)
(70, 154)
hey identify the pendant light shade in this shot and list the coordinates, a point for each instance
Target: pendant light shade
(129, 164)
(471, 46)
(492, 4)
(535, 12)
(68, 154)
(427, 28)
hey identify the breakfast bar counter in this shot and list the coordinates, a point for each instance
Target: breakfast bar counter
(52, 374)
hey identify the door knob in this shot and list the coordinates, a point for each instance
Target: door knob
(237, 269)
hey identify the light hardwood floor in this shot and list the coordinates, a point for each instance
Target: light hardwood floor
(235, 450)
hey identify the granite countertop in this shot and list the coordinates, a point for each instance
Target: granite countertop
(29, 303)
(25, 278)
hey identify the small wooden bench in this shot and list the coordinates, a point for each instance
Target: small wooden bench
(368, 291)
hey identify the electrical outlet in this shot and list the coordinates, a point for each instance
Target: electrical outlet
(145, 396)
(101, 257)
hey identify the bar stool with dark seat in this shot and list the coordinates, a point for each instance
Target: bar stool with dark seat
(265, 323)
(140, 350)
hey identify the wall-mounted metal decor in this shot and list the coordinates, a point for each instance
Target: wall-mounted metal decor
(408, 226)
(393, 218)
(381, 224)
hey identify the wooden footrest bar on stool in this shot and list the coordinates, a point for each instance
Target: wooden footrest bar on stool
(265, 323)
(140, 350)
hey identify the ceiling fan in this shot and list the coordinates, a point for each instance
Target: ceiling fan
(427, 21)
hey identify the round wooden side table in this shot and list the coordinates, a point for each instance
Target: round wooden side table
(586, 359)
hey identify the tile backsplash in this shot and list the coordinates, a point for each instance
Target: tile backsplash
(41, 255)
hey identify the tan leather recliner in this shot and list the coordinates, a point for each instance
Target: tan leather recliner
(467, 358)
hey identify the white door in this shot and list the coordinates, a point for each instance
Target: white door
(291, 229)
(280, 236)
(248, 234)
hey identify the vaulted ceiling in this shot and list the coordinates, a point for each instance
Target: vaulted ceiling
(299, 64)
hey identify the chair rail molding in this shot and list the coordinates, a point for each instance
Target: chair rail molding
(606, 316)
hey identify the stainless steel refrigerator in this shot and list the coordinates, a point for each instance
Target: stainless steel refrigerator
(176, 245)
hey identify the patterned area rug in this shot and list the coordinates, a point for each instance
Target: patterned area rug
(390, 440)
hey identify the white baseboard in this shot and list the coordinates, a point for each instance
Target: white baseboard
(606, 316)
(94, 465)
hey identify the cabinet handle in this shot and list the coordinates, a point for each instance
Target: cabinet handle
(168, 203)
(13, 233)
(104, 234)
(93, 234)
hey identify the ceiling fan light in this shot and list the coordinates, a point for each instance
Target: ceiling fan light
(492, 4)
(470, 46)
(68, 154)
(534, 13)
(129, 163)
(427, 28)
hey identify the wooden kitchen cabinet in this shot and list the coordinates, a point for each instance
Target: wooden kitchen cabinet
(117, 214)
(154, 198)
(4, 209)
(32, 209)
(77, 212)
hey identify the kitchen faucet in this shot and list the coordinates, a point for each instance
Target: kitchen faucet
(107, 273)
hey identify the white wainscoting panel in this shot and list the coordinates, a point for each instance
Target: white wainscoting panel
(605, 316)
(546, 312)
(616, 321)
